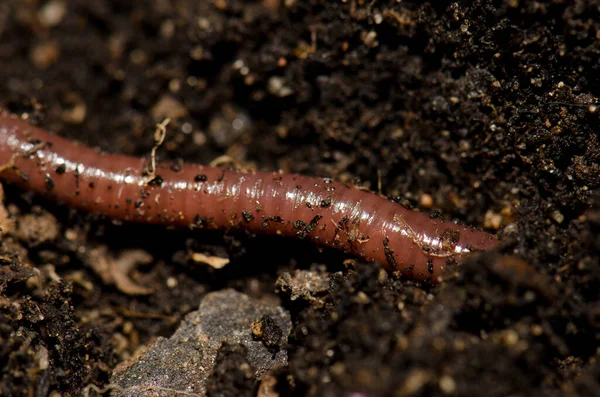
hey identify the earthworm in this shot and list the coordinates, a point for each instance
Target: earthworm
(327, 212)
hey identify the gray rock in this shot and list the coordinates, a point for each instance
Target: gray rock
(183, 363)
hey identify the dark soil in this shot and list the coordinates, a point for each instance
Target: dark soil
(483, 111)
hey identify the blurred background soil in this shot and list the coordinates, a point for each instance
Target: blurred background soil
(483, 112)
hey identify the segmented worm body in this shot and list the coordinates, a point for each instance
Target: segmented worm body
(327, 212)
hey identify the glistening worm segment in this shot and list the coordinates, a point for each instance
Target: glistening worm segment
(324, 211)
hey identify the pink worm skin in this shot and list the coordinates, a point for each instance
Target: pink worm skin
(326, 212)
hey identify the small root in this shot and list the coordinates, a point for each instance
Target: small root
(442, 250)
(215, 262)
(159, 137)
(10, 164)
(114, 387)
(116, 270)
(225, 160)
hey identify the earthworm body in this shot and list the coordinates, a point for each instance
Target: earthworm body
(326, 212)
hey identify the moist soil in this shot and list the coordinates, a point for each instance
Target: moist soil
(482, 112)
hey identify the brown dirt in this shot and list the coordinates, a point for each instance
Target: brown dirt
(481, 111)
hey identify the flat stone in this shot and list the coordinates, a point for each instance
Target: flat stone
(184, 362)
